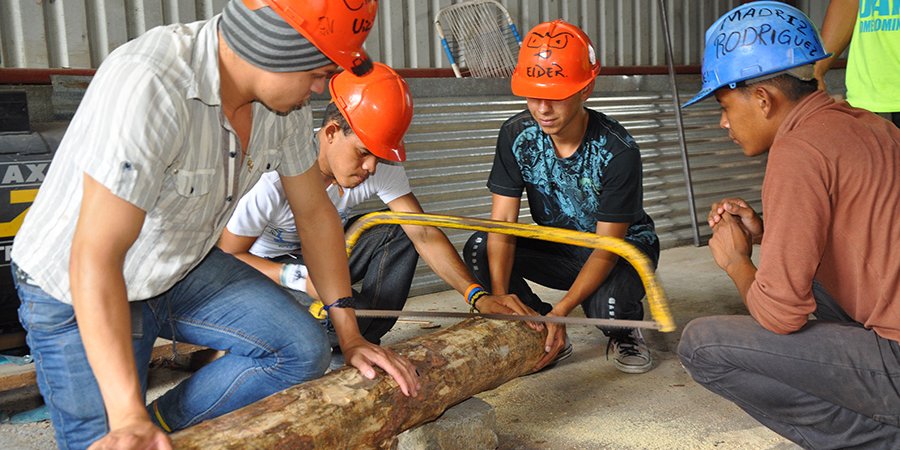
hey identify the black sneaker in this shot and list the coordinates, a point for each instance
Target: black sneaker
(564, 353)
(630, 353)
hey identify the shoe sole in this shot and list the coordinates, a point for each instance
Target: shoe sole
(633, 369)
(564, 353)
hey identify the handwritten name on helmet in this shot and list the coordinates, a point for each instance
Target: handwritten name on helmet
(785, 29)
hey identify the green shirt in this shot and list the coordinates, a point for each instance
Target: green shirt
(873, 67)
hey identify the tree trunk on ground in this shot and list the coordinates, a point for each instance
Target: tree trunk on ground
(345, 410)
(17, 377)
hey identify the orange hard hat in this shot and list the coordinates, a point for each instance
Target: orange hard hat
(378, 108)
(337, 28)
(556, 61)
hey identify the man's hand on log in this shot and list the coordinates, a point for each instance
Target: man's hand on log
(141, 434)
(507, 304)
(556, 340)
(363, 354)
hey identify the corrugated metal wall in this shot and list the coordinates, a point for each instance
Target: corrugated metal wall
(80, 33)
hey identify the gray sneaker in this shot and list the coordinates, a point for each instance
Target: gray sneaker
(630, 353)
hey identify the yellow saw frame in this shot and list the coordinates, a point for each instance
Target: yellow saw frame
(659, 307)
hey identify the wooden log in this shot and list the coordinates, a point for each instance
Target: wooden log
(16, 377)
(162, 351)
(345, 410)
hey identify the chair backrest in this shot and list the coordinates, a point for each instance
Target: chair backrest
(479, 35)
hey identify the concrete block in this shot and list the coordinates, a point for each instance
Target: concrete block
(467, 425)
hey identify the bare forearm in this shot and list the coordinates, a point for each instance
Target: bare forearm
(325, 255)
(269, 268)
(837, 29)
(103, 315)
(501, 251)
(742, 273)
(239, 246)
(322, 236)
(326, 260)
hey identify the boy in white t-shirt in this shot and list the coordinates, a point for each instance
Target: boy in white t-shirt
(352, 142)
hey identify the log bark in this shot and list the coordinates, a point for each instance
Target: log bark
(345, 410)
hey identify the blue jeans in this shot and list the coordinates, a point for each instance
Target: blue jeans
(556, 266)
(832, 384)
(384, 260)
(271, 343)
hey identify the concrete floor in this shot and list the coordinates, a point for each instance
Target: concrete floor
(584, 402)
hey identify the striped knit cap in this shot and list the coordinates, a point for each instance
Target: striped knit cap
(264, 39)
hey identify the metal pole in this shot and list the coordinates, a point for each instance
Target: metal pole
(55, 29)
(686, 166)
(98, 36)
(13, 37)
(204, 9)
(135, 24)
(170, 11)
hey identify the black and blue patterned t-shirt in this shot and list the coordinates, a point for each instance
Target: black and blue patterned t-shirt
(600, 182)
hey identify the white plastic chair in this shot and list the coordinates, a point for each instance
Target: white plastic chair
(479, 35)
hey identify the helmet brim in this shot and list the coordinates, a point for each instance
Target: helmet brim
(702, 95)
(710, 90)
(522, 87)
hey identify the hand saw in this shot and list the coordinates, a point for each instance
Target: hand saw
(656, 298)
(387, 313)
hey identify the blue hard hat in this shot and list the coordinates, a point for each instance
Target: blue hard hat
(757, 39)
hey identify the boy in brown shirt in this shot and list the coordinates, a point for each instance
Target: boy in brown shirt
(831, 199)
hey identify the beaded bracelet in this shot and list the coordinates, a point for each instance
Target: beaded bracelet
(343, 302)
(475, 297)
(471, 291)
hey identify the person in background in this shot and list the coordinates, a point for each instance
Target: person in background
(582, 171)
(830, 199)
(872, 29)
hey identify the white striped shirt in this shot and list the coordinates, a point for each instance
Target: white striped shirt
(151, 129)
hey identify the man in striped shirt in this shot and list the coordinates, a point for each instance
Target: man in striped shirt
(118, 247)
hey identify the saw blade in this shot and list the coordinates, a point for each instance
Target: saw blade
(387, 313)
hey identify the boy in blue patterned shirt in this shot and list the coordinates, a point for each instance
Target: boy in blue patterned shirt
(582, 171)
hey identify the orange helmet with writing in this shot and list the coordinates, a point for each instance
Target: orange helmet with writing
(378, 108)
(556, 61)
(336, 27)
